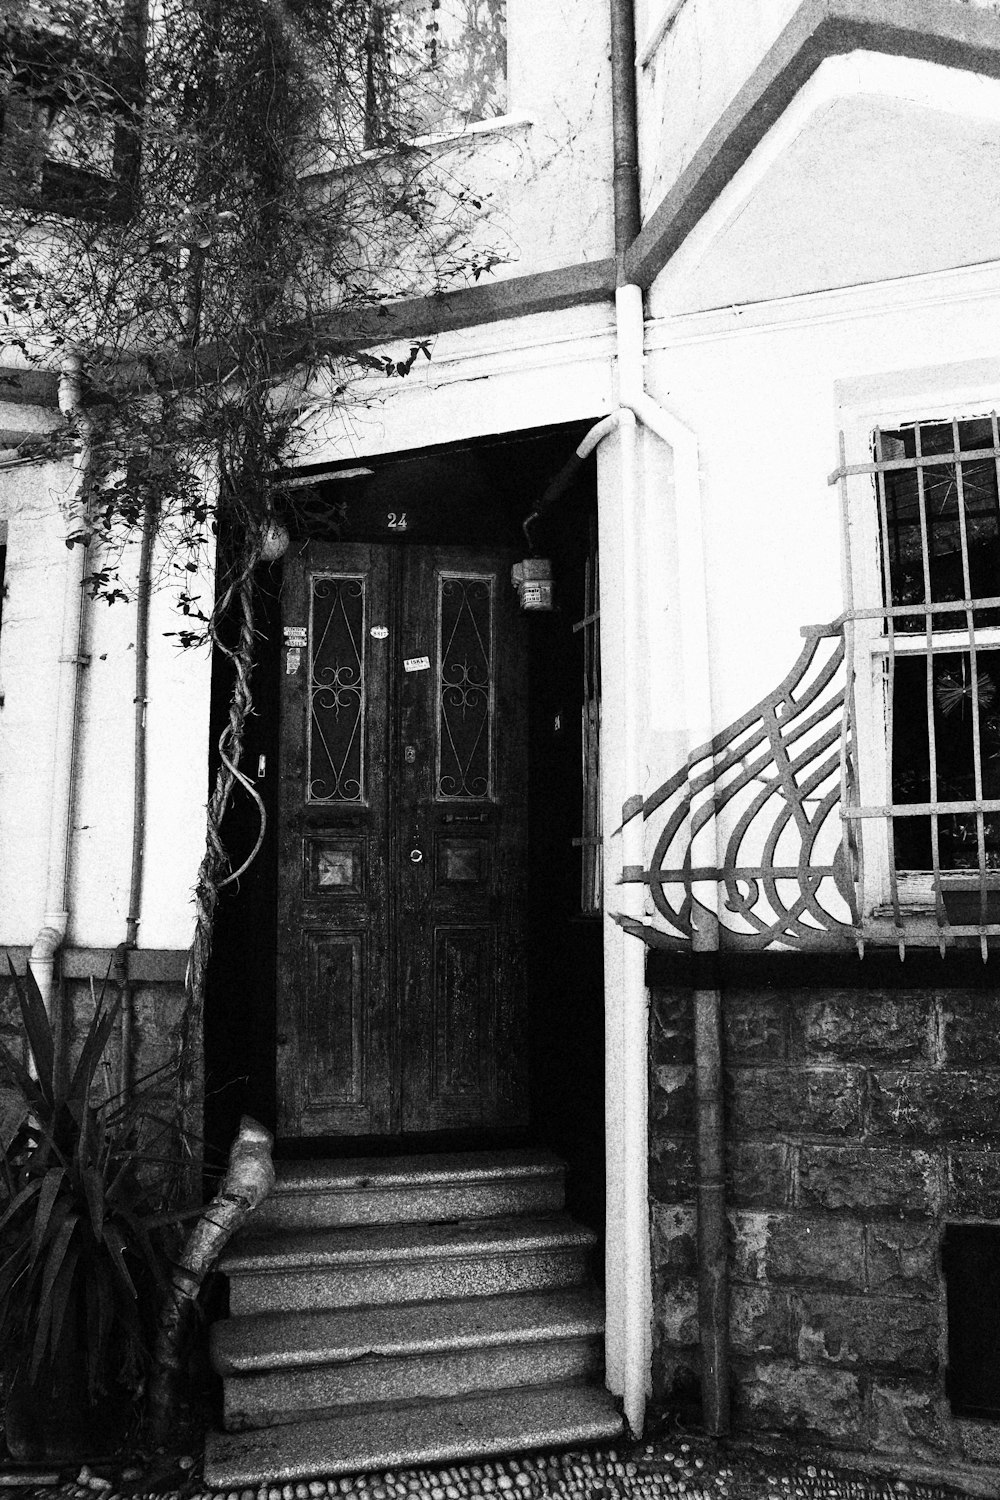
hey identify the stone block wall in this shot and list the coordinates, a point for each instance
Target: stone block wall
(859, 1123)
(157, 1039)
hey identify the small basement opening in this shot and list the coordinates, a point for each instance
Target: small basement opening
(463, 494)
(972, 1281)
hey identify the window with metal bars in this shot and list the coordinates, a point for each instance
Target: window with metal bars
(926, 661)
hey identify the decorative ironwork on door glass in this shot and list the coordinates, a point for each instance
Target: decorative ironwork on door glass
(337, 688)
(465, 687)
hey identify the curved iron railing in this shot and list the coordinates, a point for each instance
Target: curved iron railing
(766, 795)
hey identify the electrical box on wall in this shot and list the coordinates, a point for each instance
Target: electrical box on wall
(533, 580)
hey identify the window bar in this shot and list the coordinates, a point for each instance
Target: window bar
(977, 756)
(848, 781)
(940, 911)
(886, 464)
(889, 685)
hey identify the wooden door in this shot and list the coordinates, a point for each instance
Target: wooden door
(402, 865)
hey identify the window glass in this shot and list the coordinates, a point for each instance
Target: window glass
(928, 506)
(939, 525)
(434, 66)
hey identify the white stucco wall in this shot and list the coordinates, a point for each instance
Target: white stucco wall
(29, 670)
(500, 377)
(526, 192)
(699, 66)
(759, 392)
(696, 69)
(177, 740)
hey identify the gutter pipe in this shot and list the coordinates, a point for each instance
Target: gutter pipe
(629, 1364)
(636, 403)
(72, 660)
(132, 919)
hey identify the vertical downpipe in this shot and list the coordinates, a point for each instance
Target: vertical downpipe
(138, 792)
(633, 1164)
(625, 129)
(713, 1272)
(55, 919)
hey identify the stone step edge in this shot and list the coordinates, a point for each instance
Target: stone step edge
(374, 1174)
(294, 1340)
(414, 1435)
(371, 1245)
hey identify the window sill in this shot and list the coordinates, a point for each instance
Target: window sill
(498, 125)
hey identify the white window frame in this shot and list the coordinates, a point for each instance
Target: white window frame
(889, 402)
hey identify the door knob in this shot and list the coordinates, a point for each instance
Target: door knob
(416, 855)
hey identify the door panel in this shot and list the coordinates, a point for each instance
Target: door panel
(334, 1064)
(401, 985)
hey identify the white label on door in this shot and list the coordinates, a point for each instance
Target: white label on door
(417, 664)
(379, 632)
(295, 635)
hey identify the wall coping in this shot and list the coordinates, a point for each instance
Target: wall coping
(940, 31)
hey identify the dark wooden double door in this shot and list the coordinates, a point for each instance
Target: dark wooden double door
(403, 831)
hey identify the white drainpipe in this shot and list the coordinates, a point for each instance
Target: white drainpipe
(629, 1342)
(56, 915)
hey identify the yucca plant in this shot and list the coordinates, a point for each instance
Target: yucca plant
(82, 1260)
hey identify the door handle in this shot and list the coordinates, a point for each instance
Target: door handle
(416, 855)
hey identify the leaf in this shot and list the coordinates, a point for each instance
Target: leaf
(61, 1293)
(21, 1078)
(47, 1198)
(116, 1245)
(24, 1196)
(100, 1307)
(98, 1036)
(56, 1256)
(93, 1187)
(37, 1029)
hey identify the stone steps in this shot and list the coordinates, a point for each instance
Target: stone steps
(406, 1311)
(374, 1265)
(407, 1436)
(429, 1189)
(278, 1368)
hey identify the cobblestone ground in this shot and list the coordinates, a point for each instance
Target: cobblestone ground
(690, 1469)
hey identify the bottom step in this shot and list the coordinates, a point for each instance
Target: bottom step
(419, 1433)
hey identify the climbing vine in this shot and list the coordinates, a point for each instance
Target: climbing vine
(191, 204)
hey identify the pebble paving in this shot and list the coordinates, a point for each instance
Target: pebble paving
(694, 1471)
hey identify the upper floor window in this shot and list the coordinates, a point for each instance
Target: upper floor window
(433, 67)
(65, 103)
(926, 627)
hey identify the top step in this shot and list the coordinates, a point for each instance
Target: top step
(411, 1189)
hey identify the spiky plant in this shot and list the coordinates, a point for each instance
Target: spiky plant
(82, 1258)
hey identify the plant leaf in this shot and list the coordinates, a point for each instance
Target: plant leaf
(51, 1183)
(20, 1199)
(116, 1245)
(19, 1076)
(100, 1304)
(37, 1028)
(93, 1190)
(61, 1291)
(56, 1256)
(98, 1035)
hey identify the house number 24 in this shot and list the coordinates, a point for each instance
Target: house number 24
(396, 520)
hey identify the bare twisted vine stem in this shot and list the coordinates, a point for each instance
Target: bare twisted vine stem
(213, 871)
